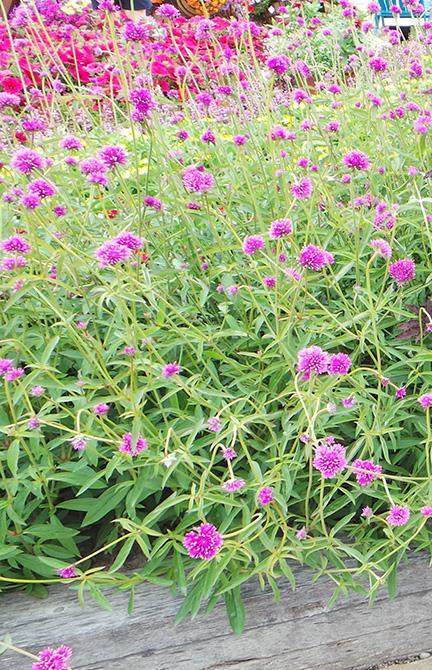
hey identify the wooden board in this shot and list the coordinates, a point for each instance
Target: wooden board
(298, 634)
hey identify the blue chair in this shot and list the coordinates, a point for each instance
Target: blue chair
(385, 12)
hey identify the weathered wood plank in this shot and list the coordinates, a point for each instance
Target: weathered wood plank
(297, 634)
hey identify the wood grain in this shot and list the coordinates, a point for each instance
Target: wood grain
(298, 634)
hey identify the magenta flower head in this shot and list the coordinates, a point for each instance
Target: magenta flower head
(402, 271)
(127, 448)
(279, 64)
(112, 253)
(214, 424)
(280, 228)
(78, 442)
(398, 515)
(426, 511)
(301, 534)
(252, 244)
(425, 400)
(5, 365)
(113, 156)
(15, 243)
(339, 364)
(233, 485)
(265, 496)
(143, 101)
(203, 541)
(302, 190)
(14, 373)
(53, 659)
(37, 391)
(367, 512)
(154, 203)
(71, 143)
(400, 393)
(129, 240)
(168, 11)
(196, 180)
(356, 160)
(314, 258)
(26, 160)
(330, 459)
(312, 360)
(170, 369)
(378, 64)
(228, 453)
(382, 247)
(67, 573)
(101, 408)
(365, 478)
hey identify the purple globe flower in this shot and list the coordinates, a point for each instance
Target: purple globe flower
(203, 542)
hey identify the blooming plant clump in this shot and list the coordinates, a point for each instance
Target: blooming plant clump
(207, 262)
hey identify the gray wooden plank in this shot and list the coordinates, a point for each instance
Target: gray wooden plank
(297, 634)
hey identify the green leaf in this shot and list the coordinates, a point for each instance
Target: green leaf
(235, 609)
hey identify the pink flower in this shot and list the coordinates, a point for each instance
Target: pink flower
(228, 453)
(302, 190)
(203, 541)
(339, 364)
(301, 533)
(314, 258)
(70, 142)
(129, 240)
(10, 263)
(37, 391)
(367, 512)
(330, 459)
(53, 659)
(214, 424)
(398, 515)
(280, 228)
(252, 244)
(356, 160)
(154, 203)
(269, 282)
(16, 243)
(426, 511)
(67, 573)
(378, 64)
(5, 365)
(293, 274)
(425, 400)
(26, 160)
(126, 445)
(13, 373)
(101, 408)
(365, 478)
(312, 360)
(279, 64)
(382, 247)
(113, 156)
(402, 271)
(400, 392)
(349, 402)
(265, 496)
(78, 442)
(130, 351)
(111, 253)
(170, 369)
(196, 180)
(233, 485)
(33, 423)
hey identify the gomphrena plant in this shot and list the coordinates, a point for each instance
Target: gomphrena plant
(202, 292)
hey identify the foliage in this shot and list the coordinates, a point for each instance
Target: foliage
(82, 332)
